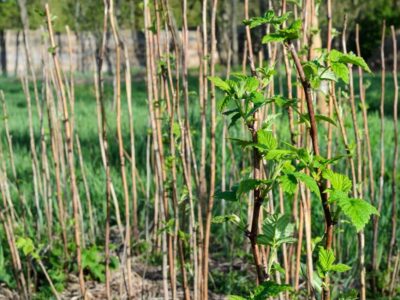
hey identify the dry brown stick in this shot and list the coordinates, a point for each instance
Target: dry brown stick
(203, 104)
(127, 240)
(128, 84)
(396, 147)
(370, 167)
(102, 127)
(299, 245)
(207, 230)
(375, 266)
(68, 130)
(330, 106)
(361, 236)
(188, 149)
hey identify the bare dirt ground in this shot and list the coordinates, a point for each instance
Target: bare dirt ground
(146, 284)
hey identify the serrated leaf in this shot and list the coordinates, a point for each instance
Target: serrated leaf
(358, 211)
(353, 59)
(340, 268)
(268, 18)
(277, 154)
(219, 83)
(273, 37)
(334, 55)
(326, 258)
(248, 185)
(283, 227)
(327, 74)
(341, 71)
(309, 182)
(310, 69)
(267, 139)
(338, 181)
(251, 84)
(288, 183)
(269, 289)
(337, 196)
(263, 239)
(285, 34)
(277, 229)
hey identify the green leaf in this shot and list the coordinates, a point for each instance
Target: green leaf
(336, 56)
(268, 18)
(288, 183)
(282, 101)
(310, 69)
(227, 195)
(277, 154)
(266, 139)
(263, 239)
(327, 74)
(337, 196)
(248, 185)
(234, 119)
(219, 83)
(26, 245)
(284, 229)
(281, 35)
(325, 118)
(277, 229)
(269, 289)
(242, 143)
(168, 226)
(358, 211)
(251, 84)
(341, 71)
(340, 268)
(353, 59)
(326, 258)
(309, 182)
(273, 37)
(338, 181)
(234, 297)
(226, 218)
